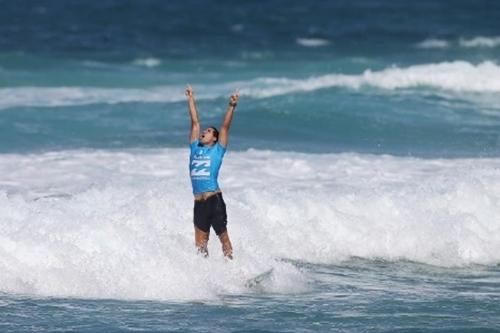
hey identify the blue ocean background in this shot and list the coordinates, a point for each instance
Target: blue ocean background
(363, 168)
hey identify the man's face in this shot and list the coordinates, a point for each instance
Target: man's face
(207, 137)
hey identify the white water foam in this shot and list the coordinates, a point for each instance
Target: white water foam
(119, 224)
(480, 41)
(474, 42)
(433, 43)
(457, 77)
(312, 42)
(147, 62)
(67, 96)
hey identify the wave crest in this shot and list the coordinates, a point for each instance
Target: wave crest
(457, 76)
(433, 43)
(474, 42)
(480, 41)
(312, 42)
(147, 62)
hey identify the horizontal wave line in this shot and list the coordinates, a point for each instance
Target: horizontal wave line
(457, 76)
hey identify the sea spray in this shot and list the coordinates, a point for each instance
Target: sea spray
(130, 235)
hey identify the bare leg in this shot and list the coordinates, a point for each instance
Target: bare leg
(201, 241)
(227, 248)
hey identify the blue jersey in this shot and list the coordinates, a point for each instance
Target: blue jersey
(204, 165)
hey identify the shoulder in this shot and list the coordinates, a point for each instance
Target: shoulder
(194, 144)
(220, 146)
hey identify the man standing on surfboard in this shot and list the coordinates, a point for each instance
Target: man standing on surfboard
(207, 151)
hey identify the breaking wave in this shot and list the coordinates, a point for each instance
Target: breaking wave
(457, 76)
(119, 224)
(474, 42)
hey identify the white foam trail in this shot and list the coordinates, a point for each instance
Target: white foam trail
(474, 42)
(147, 62)
(66, 96)
(69, 96)
(119, 224)
(433, 43)
(457, 76)
(480, 41)
(312, 42)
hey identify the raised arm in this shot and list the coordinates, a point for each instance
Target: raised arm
(228, 118)
(193, 112)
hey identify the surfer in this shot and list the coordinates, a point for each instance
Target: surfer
(207, 151)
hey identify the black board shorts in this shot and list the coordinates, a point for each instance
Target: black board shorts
(211, 213)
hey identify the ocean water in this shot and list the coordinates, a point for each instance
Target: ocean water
(362, 175)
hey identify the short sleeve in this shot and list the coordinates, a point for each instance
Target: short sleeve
(194, 144)
(221, 149)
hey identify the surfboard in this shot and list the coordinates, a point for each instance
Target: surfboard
(257, 280)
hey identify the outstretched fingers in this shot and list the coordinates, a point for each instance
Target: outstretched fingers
(234, 97)
(189, 90)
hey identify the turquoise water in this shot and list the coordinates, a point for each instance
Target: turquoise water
(363, 166)
(136, 107)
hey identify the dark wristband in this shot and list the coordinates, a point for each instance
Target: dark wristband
(233, 104)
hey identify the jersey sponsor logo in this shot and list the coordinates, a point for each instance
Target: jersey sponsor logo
(200, 168)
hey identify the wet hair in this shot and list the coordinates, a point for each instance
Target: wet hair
(216, 132)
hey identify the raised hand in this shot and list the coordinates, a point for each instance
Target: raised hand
(189, 91)
(234, 98)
